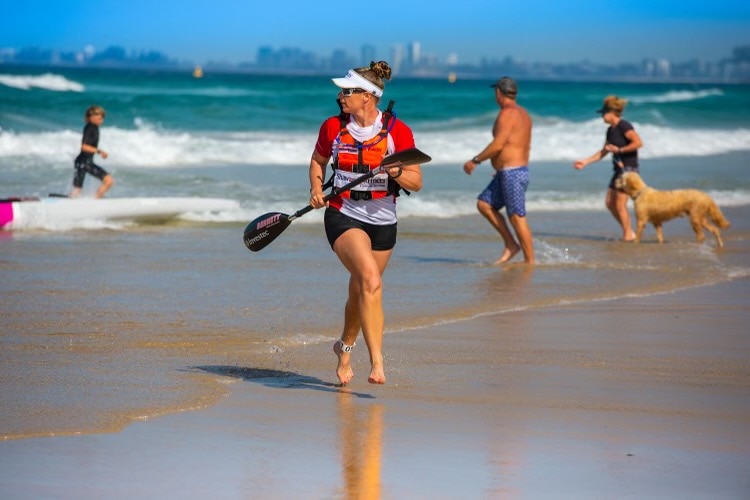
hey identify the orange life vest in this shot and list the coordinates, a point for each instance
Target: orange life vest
(356, 158)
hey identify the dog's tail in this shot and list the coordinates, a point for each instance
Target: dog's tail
(715, 213)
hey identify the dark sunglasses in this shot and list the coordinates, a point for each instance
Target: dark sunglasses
(349, 92)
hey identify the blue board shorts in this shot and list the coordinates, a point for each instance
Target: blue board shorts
(508, 189)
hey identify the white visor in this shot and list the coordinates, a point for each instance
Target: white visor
(354, 80)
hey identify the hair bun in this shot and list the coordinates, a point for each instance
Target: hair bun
(381, 69)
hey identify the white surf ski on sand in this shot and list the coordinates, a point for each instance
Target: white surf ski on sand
(53, 212)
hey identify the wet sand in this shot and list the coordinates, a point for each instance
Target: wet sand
(633, 398)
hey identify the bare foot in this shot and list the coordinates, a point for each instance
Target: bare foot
(629, 237)
(377, 375)
(344, 369)
(508, 254)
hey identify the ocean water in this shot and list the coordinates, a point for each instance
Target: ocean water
(100, 322)
(167, 133)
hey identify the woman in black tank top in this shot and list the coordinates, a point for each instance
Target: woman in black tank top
(623, 142)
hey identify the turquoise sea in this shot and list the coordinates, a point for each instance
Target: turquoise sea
(168, 133)
(106, 304)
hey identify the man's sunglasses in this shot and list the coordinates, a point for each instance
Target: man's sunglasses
(349, 92)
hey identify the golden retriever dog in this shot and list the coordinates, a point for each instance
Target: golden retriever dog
(657, 207)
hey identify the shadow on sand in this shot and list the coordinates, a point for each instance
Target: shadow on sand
(279, 379)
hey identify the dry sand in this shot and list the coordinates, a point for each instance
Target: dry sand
(635, 398)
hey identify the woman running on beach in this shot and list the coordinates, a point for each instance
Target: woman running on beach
(361, 224)
(623, 142)
(84, 162)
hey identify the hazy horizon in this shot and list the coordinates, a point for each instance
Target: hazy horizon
(232, 32)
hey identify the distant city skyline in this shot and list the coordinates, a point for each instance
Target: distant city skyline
(294, 60)
(534, 30)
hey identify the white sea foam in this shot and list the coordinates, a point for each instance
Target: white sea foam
(561, 140)
(148, 146)
(553, 255)
(428, 205)
(437, 206)
(47, 81)
(677, 96)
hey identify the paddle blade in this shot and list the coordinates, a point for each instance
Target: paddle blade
(263, 230)
(405, 158)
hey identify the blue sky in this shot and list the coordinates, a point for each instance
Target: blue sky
(533, 30)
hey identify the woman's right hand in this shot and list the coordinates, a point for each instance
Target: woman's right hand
(580, 164)
(317, 199)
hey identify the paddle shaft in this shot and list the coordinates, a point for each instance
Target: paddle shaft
(266, 228)
(336, 191)
(403, 158)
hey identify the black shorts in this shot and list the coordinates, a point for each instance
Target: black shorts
(618, 173)
(381, 237)
(83, 168)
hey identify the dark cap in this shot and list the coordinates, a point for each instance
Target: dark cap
(506, 85)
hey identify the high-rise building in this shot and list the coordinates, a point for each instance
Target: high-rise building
(368, 54)
(414, 53)
(397, 58)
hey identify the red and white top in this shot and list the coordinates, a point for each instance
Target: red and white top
(377, 211)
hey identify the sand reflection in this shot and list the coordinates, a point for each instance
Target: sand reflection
(361, 429)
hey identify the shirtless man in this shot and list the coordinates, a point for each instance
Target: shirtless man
(509, 155)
